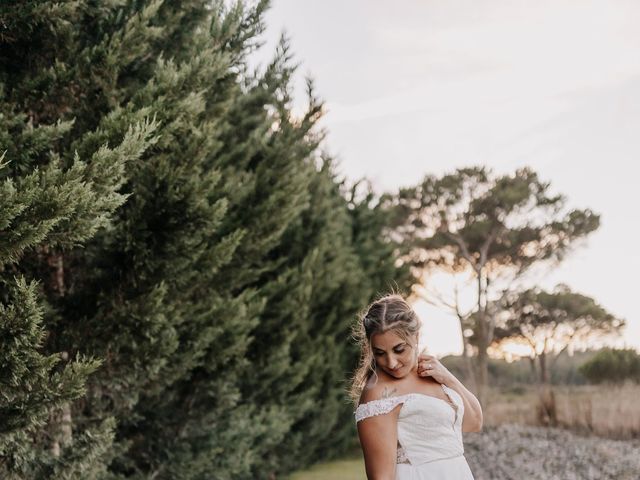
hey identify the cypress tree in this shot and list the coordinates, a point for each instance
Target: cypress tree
(201, 424)
(79, 78)
(173, 245)
(341, 258)
(54, 199)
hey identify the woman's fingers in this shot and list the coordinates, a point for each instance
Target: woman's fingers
(425, 367)
(424, 356)
(427, 363)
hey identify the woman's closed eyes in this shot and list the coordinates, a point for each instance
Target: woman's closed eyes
(378, 353)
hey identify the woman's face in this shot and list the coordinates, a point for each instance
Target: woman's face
(392, 354)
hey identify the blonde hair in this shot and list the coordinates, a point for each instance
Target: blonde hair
(389, 312)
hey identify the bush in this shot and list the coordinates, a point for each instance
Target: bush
(613, 365)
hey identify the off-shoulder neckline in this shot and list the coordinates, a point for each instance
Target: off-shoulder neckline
(444, 388)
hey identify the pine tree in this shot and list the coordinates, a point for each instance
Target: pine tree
(333, 276)
(53, 200)
(337, 290)
(78, 78)
(492, 227)
(379, 249)
(173, 245)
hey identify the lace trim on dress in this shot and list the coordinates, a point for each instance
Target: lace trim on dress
(454, 397)
(377, 407)
(385, 405)
(401, 455)
(452, 401)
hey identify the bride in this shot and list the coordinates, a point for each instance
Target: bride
(411, 411)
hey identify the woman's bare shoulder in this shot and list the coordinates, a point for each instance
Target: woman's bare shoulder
(377, 391)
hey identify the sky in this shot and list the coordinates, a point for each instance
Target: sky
(424, 87)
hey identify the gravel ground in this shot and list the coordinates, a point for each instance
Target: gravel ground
(511, 452)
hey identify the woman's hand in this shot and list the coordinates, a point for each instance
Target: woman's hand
(430, 366)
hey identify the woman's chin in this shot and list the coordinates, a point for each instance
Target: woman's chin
(397, 373)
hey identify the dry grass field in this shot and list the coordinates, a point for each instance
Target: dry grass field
(607, 411)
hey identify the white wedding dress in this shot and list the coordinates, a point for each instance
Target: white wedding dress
(429, 435)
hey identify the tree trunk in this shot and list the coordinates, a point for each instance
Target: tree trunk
(62, 432)
(547, 411)
(466, 352)
(544, 372)
(483, 332)
(471, 373)
(61, 421)
(482, 373)
(534, 370)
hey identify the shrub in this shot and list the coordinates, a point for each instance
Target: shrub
(612, 365)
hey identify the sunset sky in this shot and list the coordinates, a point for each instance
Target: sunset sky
(417, 87)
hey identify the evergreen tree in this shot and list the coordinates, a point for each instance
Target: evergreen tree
(379, 249)
(83, 78)
(309, 305)
(224, 432)
(53, 200)
(173, 244)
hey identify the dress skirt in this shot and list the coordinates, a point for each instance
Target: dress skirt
(455, 468)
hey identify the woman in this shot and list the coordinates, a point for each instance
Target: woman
(411, 411)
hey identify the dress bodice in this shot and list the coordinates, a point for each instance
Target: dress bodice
(429, 428)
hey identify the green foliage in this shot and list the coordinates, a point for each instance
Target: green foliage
(495, 228)
(564, 315)
(374, 237)
(551, 322)
(33, 384)
(472, 218)
(612, 366)
(522, 371)
(187, 263)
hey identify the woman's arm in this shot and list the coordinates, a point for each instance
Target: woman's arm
(428, 365)
(379, 439)
(472, 420)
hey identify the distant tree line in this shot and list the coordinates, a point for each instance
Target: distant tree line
(605, 365)
(612, 365)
